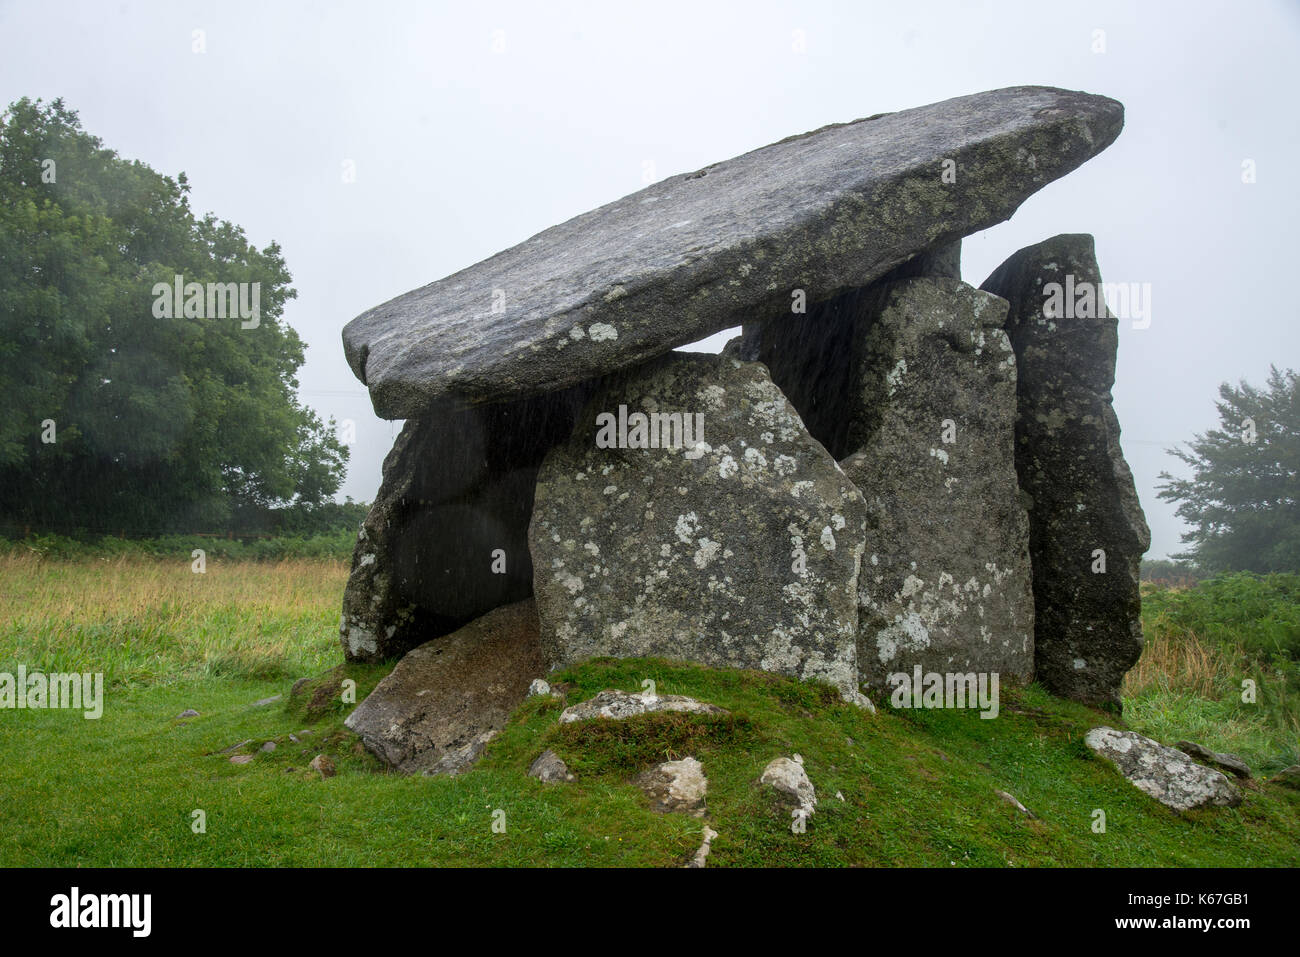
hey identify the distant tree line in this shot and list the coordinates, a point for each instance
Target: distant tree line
(129, 409)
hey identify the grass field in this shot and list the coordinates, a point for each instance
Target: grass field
(902, 788)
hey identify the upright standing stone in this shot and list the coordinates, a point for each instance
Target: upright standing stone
(446, 539)
(738, 549)
(945, 582)
(1087, 532)
(812, 355)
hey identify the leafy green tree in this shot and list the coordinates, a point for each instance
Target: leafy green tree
(118, 418)
(1243, 500)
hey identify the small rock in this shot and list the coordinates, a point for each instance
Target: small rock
(549, 769)
(840, 795)
(676, 786)
(1168, 775)
(293, 738)
(1287, 777)
(623, 704)
(1220, 759)
(188, 713)
(240, 758)
(858, 699)
(539, 687)
(703, 852)
(265, 701)
(1015, 804)
(235, 747)
(268, 746)
(789, 782)
(324, 764)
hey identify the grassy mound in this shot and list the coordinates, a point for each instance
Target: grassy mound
(902, 788)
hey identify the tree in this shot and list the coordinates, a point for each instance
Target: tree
(123, 414)
(1243, 500)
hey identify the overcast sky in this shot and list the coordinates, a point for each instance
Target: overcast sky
(471, 127)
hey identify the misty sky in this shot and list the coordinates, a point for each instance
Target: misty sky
(473, 126)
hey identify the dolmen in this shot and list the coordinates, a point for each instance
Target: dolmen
(887, 473)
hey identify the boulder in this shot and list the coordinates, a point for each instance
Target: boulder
(787, 781)
(624, 704)
(823, 212)
(1169, 776)
(676, 786)
(436, 711)
(1087, 533)
(737, 548)
(446, 539)
(930, 419)
(549, 769)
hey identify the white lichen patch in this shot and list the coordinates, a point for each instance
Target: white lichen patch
(601, 331)
(895, 376)
(706, 553)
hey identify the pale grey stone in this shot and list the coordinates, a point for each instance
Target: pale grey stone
(930, 416)
(548, 768)
(1166, 774)
(740, 551)
(825, 211)
(676, 786)
(625, 704)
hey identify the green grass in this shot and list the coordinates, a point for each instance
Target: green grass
(917, 787)
(1202, 646)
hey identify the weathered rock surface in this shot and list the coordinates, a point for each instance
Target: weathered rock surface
(787, 781)
(1223, 760)
(548, 768)
(457, 488)
(824, 212)
(740, 549)
(625, 704)
(436, 711)
(676, 786)
(323, 765)
(1168, 775)
(945, 579)
(813, 356)
(1083, 504)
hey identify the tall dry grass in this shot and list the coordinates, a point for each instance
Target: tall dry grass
(141, 619)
